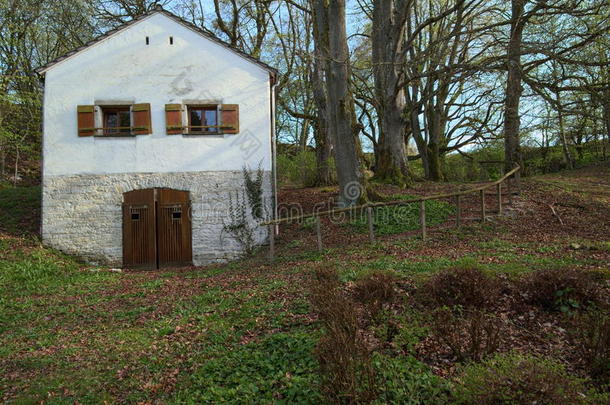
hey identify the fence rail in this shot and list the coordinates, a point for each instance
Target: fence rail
(368, 207)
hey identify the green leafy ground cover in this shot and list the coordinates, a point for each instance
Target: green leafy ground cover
(396, 219)
(244, 332)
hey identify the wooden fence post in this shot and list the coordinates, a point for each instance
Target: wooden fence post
(458, 213)
(319, 232)
(369, 215)
(271, 242)
(499, 198)
(483, 206)
(422, 219)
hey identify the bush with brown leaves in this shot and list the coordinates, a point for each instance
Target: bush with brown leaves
(465, 286)
(375, 290)
(560, 289)
(348, 374)
(593, 332)
(327, 275)
(470, 335)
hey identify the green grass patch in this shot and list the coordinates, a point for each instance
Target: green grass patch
(26, 270)
(396, 219)
(405, 380)
(19, 205)
(278, 369)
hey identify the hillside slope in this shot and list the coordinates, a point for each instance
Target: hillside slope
(245, 331)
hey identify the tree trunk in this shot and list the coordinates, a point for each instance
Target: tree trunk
(321, 135)
(606, 109)
(434, 154)
(389, 17)
(562, 133)
(16, 172)
(392, 165)
(420, 142)
(304, 135)
(331, 35)
(323, 155)
(512, 148)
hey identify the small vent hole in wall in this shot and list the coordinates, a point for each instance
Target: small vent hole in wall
(171, 40)
(147, 41)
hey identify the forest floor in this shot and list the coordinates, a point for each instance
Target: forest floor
(245, 332)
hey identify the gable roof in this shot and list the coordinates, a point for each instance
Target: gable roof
(158, 9)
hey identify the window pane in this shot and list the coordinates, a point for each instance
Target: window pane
(196, 119)
(112, 121)
(125, 120)
(210, 119)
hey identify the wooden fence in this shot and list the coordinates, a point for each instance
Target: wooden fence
(422, 209)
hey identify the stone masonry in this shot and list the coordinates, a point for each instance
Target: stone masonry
(82, 214)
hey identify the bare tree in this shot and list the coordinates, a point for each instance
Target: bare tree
(331, 40)
(529, 53)
(388, 40)
(512, 147)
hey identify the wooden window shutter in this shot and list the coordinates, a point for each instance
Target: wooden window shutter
(173, 119)
(86, 120)
(229, 118)
(141, 119)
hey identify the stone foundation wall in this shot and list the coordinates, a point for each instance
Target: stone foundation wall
(82, 214)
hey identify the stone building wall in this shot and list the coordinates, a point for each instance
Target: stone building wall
(82, 214)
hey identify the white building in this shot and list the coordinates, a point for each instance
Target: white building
(146, 132)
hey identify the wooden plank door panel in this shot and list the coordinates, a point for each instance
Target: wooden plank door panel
(139, 229)
(173, 228)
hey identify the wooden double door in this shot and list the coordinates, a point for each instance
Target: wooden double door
(156, 228)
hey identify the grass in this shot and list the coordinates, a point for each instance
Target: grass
(392, 220)
(280, 368)
(237, 333)
(95, 336)
(18, 206)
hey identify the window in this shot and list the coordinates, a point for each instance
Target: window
(116, 120)
(203, 119)
(109, 119)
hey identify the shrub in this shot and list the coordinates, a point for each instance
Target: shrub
(470, 335)
(560, 289)
(375, 290)
(300, 168)
(465, 286)
(516, 379)
(593, 330)
(345, 363)
(326, 275)
(253, 185)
